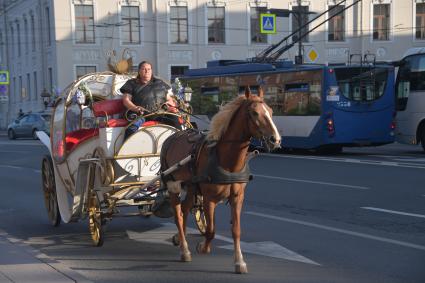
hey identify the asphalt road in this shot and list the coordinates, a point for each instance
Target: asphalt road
(358, 216)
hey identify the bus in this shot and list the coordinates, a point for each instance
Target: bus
(410, 98)
(317, 107)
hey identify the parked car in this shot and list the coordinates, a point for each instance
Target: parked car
(28, 124)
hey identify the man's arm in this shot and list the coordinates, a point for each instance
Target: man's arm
(130, 105)
(170, 102)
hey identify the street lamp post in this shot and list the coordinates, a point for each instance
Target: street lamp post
(187, 97)
(187, 94)
(46, 98)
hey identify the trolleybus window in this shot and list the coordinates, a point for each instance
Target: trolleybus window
(291, 93)
(361, 84)
(410, 77)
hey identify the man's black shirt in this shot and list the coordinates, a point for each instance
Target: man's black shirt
(150, 95)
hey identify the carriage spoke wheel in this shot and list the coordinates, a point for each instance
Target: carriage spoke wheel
(95, 221)
(199, 215)
(49, 191)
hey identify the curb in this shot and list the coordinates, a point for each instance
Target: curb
(19, 262)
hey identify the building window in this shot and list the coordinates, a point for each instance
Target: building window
(336, 30)
(83, 70)
(131, 25)
(48, 27)
(29, 92)
(300, 18)
(26, 35)
(84, 24)
(178, 24)
(256, 35)
(381, 21)
(420, 21)
(33, 36)
(216, 26)
(18, 35)
(35, 86)
(178, 71)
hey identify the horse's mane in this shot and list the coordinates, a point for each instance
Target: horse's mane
(220, 122)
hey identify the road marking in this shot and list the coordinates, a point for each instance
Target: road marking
(394, 211)
(349, 160)
(163, 235)
(13, 151)
(407, 159)
(312, 182)
(20, 168)
(338, 230)
(29, 143)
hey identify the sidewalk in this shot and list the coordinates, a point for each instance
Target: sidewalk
(21, 263)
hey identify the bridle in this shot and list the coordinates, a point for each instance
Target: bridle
(265, 139)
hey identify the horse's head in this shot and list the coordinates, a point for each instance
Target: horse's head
(260, 120)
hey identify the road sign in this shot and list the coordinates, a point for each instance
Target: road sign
(4, 99)
(312, 55)
(268, 23)
(4, 77)
(3, 89)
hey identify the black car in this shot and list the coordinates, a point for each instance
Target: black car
(28, 124)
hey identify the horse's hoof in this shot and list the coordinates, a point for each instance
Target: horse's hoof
(175, 240)
(185, 257)
(241, 268)
(201, 249)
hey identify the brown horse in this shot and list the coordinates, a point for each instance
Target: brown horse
(219, 169)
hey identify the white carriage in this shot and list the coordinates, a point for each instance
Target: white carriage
(91, 171)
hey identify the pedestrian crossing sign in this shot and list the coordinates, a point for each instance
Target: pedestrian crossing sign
(4, 77)
(268, 23)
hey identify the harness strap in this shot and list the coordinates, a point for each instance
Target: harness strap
(215, 174)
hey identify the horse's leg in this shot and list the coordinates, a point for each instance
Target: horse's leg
(186, 206)
(236, 201)
(209, 210)
(178, 215)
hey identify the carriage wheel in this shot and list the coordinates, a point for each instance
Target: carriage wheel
(95, 220)
(199, 215)
(49, 191)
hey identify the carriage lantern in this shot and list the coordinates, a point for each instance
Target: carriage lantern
(46, 97)
(187, 94)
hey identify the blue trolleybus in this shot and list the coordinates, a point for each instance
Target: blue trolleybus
(314, 106)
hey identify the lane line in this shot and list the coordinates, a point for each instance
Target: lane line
(20, 168)
(393, 211)
(349, 160)
(312, 182)
(13, 151)
(29, 143)
(338, 230)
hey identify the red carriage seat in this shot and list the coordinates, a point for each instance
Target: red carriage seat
(72, 139)
(107, 108)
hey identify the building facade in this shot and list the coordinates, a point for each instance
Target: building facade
(46, 44)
